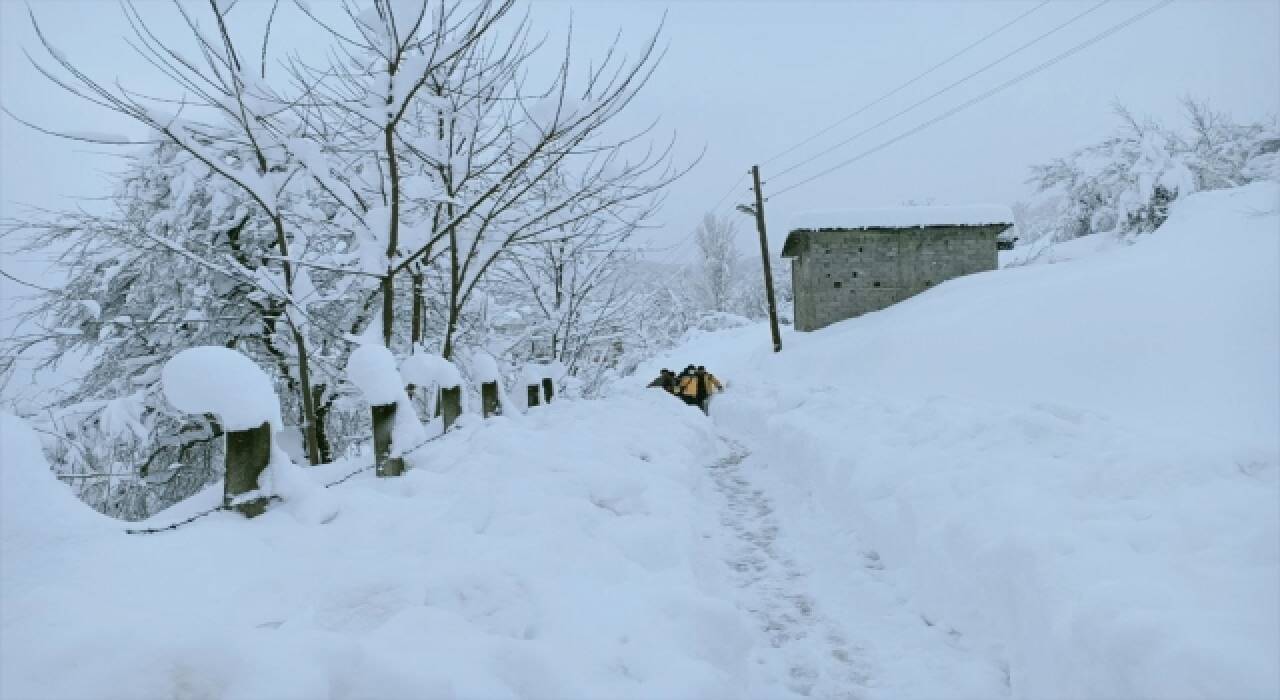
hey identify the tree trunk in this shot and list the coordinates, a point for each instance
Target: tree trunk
(308, 400)
(322, 415)
(419, 302)
(304, 365)
(388, 307)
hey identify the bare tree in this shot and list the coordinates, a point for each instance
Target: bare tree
(717, 265)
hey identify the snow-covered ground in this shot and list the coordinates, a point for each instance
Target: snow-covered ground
(559, 554)
(1053, 481)
(1072, 467)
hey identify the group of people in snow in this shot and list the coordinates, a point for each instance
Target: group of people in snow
(694, 385)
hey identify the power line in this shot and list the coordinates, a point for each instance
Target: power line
(907, 84)
(989, 93)
(949, 87)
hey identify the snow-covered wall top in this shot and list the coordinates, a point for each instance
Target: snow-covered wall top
(901, 217)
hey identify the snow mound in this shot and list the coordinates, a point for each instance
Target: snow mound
(36, 509)
(221, 381)
(901, 217)
(1075, 467)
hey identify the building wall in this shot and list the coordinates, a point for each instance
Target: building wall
(843, 274)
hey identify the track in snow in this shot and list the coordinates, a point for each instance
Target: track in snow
(808, 651)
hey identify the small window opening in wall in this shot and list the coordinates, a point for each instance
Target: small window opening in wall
(859, 249)
(837, 285)
(828, 251)
(855, 274)
(875, 284)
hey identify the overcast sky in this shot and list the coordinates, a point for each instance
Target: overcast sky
(746, 80)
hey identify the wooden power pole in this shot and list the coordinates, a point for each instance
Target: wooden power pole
(764, 258)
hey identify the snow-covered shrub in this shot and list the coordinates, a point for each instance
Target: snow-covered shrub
(1124, 184)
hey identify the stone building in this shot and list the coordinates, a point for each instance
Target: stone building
(846, 263)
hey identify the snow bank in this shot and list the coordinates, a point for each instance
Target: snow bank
(562, 555)
(1073, 465)
(901, 217)
(221, 381)
(372, 369)
(36, 509)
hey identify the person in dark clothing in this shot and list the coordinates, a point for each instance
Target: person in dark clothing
(666, 381)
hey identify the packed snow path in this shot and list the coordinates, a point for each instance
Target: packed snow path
(813, 657)
(830, 624)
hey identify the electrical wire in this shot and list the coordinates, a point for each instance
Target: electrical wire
(948, 88)
(981, 40)
(989, 93)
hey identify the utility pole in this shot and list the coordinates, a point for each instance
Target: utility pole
(764, 258)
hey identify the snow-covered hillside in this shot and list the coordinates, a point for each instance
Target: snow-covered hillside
(1072, 466)
(1054, 481)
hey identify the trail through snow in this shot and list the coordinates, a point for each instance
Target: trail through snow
(809, 654)
(831, 624)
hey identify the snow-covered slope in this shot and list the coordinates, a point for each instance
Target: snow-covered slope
(1073, 465)
(558, 554)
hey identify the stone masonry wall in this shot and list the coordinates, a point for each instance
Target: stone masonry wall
(843, 274)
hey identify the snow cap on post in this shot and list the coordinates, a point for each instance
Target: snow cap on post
(372, 369)
(221, 381)
(427, 370)
(484, 368)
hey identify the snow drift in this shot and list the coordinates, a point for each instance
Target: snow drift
(1076, 463)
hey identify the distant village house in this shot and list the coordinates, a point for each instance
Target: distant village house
(847, 263)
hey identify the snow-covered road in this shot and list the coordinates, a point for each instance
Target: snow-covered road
(830, 624)
(1067, 472)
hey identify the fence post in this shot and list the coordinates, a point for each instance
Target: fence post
(534, 395)
(384, 421)
(449, 407)
(548, 389)
(248, 453)
(489, 403)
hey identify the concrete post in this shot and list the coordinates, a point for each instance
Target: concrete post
(489, 403)
(248, 453)
(548, 389)
(450, 405)
(384, 421)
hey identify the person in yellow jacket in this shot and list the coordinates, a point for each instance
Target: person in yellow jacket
(687, 386)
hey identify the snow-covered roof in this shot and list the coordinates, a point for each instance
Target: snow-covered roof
(901, 217)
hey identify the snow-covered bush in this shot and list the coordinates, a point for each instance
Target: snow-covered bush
(1124, 184)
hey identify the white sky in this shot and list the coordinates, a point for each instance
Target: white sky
(745, 80)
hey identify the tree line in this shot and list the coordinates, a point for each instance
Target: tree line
(442, 181)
